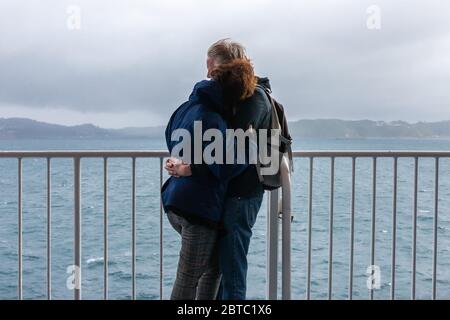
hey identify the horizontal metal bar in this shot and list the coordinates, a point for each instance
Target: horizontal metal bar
(161, 153)
(85, 154)
(370, 153)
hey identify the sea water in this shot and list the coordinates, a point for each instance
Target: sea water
(148, 223)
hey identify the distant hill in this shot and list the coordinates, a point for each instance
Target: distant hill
(16, 128)
(140, 132)
(335, 128)
(22, 128)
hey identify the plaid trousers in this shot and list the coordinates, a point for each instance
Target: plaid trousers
(198, 275)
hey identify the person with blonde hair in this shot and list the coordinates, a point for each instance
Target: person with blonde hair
(248, 106)
(194, 198)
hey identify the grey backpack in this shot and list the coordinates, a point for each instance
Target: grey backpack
(278, 122)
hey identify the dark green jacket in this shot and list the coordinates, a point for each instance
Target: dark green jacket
(254, 111)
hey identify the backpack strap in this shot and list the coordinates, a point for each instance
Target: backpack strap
(287, 142)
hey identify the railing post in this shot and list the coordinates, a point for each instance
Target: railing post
(374, 210)
(272, 244)
(414, 231)
(286, 231)
(310, 216)
(77, 229)
(19, 232)
(394, 228)
(105, 230)
(352, 231)
(133, 231)
(49, 230)
(435, 226)
(161, 232)
(330, 232)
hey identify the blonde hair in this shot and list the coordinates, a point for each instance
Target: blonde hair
(233, 70)
(226, 50)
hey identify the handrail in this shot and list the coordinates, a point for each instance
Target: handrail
(85, 154)
(371, 153)
(272, 218)
(286, 229)
(162, 153)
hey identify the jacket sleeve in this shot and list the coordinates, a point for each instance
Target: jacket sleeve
(168, 132)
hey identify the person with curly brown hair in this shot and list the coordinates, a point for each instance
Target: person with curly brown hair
(245, 105)
(194, 200)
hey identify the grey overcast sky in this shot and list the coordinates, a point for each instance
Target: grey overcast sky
(133, 62)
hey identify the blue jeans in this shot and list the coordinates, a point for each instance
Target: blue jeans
(239, 218)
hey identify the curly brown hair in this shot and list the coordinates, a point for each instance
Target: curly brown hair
(237, 79)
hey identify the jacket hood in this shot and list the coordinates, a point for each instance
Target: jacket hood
(210, 93)
(265, 82)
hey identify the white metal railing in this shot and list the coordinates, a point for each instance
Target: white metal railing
(77, 156)
(374, 155)
(275, 207)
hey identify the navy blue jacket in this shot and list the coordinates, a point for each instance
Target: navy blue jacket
(199, 197)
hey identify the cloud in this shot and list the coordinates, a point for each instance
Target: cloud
(143, 57)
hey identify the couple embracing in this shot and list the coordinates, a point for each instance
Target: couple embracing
(214, 206)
